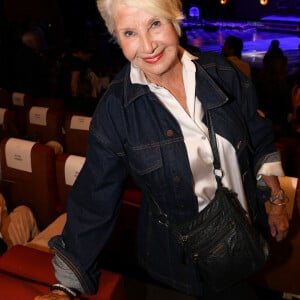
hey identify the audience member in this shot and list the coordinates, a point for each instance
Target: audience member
(273, 89)
(77, 80)
(273, 52)
(232, 49)
(184, 42)
(30, 67)
(17, 227)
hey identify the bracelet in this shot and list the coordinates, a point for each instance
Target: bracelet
(280, 196)
(59, 287)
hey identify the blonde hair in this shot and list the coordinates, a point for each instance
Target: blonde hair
(169, 9)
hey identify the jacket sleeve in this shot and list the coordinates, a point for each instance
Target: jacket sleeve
(94, 202)
(266, 156)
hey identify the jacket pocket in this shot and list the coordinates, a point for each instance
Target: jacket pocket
(144, 159)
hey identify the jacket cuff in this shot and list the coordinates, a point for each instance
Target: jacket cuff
(271, 166)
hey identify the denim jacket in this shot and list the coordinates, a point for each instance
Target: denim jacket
(132, 133)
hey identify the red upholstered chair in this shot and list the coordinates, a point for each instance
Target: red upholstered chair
(26, 272)
(67, 168)
(45, 124)
(28, 178)
(7, 123)
(21, 103)
(76, 134)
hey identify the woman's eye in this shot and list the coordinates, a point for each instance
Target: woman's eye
(128, 33)
(155, 24)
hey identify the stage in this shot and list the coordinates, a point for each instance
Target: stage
(257, 36)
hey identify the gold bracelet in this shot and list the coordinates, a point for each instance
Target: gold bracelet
(280, 196)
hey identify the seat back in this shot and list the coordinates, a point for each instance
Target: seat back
(67, 169)
(76, 134)
(7, 123)
(21, 104)
(29, 178)
(44, 124)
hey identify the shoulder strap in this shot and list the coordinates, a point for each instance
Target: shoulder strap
(213, 142)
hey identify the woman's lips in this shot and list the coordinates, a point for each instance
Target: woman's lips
(154, 59)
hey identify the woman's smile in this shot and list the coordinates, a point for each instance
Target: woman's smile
(153, 59)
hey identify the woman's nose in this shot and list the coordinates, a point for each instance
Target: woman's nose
(147, 44)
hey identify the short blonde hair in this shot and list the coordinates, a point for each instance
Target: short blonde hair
(169, 9)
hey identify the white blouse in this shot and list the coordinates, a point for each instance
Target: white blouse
(196, 138)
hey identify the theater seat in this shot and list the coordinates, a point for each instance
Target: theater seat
(27, 272)
(76, 134)
(7, 123)
(44, 124)
(28, 178)
(21, 103)
(67, 168)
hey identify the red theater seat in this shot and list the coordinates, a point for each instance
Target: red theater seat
(27, 272)
(76, 134)
(44, 124)
(28, 178)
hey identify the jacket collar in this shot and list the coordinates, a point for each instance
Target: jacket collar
(211, 96)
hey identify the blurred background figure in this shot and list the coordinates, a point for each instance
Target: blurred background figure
(30, 63)
(232, 49)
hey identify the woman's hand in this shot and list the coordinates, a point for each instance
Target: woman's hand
(278, 218)
(54, 295)
(278, 222)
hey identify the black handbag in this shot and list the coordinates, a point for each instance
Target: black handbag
(221, 241)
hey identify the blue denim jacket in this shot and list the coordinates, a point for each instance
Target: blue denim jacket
(133, 133)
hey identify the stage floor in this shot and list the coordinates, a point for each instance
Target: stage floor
(256, 42)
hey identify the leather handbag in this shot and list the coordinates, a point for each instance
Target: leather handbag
(221, 241)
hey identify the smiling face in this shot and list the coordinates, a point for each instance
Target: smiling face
(149, 42)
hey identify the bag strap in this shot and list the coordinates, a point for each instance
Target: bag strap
(213, 142)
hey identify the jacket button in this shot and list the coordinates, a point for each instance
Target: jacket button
(170, 133)
(176, 179)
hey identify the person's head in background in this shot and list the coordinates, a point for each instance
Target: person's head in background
(274, 44)
(81, 49)
(233, 46)
(32, 40)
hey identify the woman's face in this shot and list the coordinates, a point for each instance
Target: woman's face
(149, 42)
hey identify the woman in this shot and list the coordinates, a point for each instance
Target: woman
(150, 124)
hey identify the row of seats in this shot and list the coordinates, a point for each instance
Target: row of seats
(33, 175)
(44, 124)
(42, 119)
